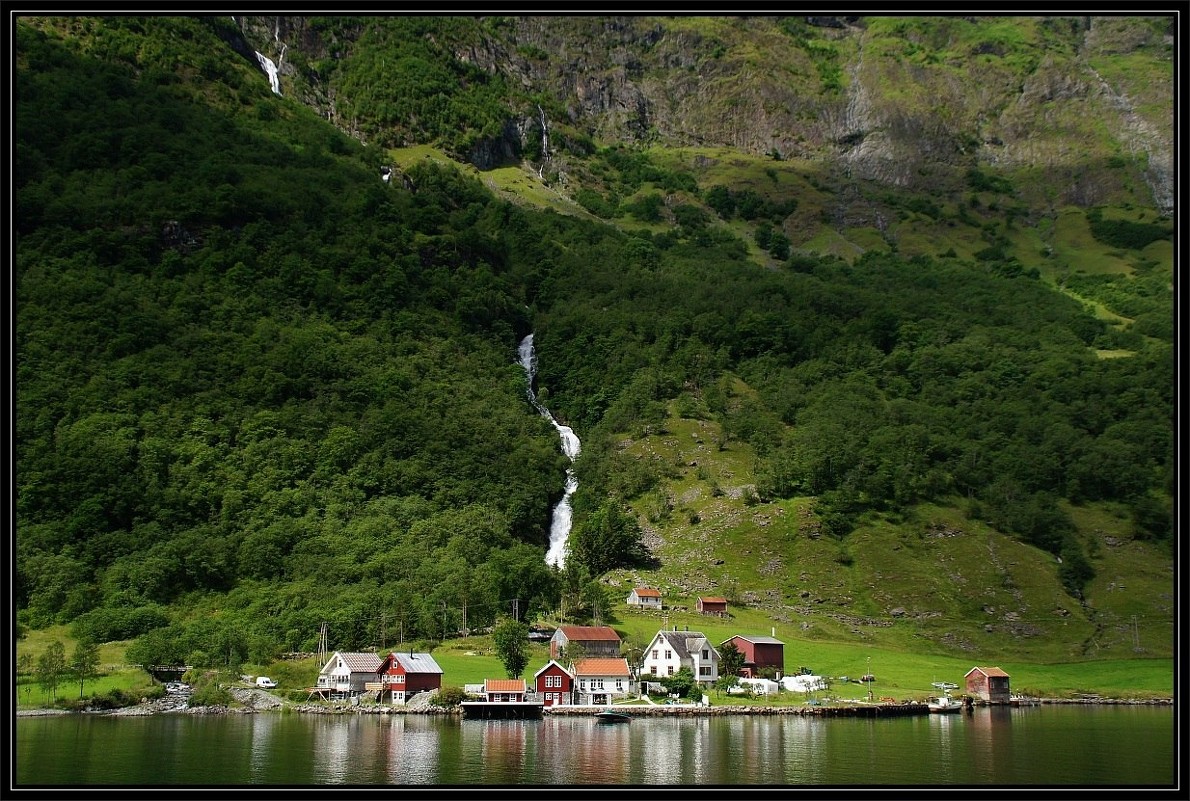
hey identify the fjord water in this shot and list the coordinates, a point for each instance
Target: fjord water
(992, 746)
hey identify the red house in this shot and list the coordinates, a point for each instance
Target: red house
(760, 652)
(713, 605)
(554, 683)
(404, 675)
(989, 683)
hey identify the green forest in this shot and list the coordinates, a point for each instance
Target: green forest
(259, 388)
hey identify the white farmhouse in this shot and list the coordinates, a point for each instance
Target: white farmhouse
(671, 650)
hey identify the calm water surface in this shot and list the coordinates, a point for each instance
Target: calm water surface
(1047, 745)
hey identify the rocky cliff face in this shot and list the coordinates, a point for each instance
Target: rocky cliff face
(908, 103)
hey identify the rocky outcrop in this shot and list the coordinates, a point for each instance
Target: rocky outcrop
(914, 112)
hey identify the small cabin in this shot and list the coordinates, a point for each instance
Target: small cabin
(504, 690)
(713, 605)
(988, 683)
(645, 598)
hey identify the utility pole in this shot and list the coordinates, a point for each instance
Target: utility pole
(516, 608)
(322, 645)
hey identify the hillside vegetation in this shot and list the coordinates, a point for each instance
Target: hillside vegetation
(263, 383)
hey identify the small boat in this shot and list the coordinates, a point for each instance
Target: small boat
(943, 703)
(611, 716)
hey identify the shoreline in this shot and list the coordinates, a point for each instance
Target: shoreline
(833, 710)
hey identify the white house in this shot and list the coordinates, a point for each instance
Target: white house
(347, 673)
(671, 650)
(645, 598)
(599, 681)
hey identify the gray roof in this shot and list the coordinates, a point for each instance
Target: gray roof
(417, 663)
(356, 662)
(684, 642)
(754, 638)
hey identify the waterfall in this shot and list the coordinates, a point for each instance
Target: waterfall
(545, 144)
(560, 522)
(268, 66)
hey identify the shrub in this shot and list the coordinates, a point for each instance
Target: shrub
(448, 697)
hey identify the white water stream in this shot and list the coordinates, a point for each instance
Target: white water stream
(560, 522)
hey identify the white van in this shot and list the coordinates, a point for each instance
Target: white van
(265, 683)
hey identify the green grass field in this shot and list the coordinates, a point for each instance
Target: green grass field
(898, 674)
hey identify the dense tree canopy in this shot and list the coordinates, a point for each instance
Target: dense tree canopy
(259, 389)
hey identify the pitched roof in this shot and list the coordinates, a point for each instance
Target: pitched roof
(754, 638)
(647, 592)
(988, 671)
(547, 667)
(712, 599)
(416, 663)
(504, 685)
(683, 642)
(355, 661)
(602, 667)
(589, 633)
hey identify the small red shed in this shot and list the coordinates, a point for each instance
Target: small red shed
(990, 684)
(713, 605)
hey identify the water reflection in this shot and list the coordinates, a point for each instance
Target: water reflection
(405, 741)
(991, 747)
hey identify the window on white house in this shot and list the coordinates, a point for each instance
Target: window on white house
(669, 654)
(706, 654)
(671, 670)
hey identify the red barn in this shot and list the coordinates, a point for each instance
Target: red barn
(554, 683)
(713, 605)
(590, 640)
(990, 684)
(404, 675)
(760, 652)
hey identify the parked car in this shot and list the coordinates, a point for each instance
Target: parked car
(265, 683)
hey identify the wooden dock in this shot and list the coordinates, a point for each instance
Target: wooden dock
(502, 710)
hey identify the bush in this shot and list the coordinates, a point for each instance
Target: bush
(448, 697)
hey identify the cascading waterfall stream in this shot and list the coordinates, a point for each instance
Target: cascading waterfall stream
(560, 522)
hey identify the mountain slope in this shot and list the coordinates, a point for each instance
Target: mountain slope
(873, 375)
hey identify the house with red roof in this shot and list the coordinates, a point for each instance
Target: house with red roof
(504, 690)
(600, 681)
(990, 684)
(712, 605)
(584, 641)
(645, 598)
